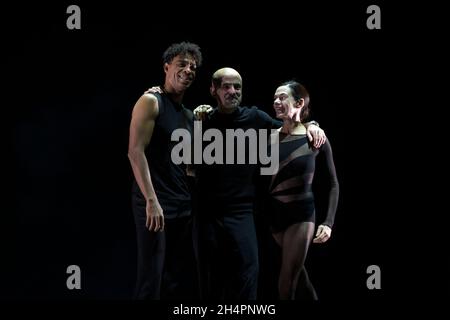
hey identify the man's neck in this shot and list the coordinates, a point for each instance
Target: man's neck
(173, 95)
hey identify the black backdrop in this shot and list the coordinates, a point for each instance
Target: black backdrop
(72, 92)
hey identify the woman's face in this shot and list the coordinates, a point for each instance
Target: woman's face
(285, 105)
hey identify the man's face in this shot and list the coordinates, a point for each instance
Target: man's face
(229, 94)
(180, 73)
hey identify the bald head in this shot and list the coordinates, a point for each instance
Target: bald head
(224, 72)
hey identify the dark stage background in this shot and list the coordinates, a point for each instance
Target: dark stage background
(72, 92)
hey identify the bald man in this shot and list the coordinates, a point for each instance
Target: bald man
(226, 250)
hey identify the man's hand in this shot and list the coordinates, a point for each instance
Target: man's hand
(202, 111)
(323, 234)
(156, 89)
(316, 135)
(155, 217)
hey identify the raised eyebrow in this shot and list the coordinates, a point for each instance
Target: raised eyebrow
(187, 62)
(236, 84)
(227, 83)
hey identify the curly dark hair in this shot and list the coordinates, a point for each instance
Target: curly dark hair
(183, 48)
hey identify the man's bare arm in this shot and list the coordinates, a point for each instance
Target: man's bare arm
(142, 124)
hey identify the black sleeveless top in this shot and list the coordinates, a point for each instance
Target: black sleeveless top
(169, 180)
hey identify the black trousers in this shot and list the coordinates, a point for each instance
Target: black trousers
(165, 260)
(227, 254)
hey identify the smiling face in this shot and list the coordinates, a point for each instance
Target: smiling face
(227, 89)
(286, 107)
(229, 93)
(180, 73)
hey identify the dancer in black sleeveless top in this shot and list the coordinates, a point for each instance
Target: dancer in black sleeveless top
(161, 199)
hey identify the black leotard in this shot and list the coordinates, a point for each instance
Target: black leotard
(291, 198)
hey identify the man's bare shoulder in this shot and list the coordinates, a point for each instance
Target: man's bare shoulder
(147, 105)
